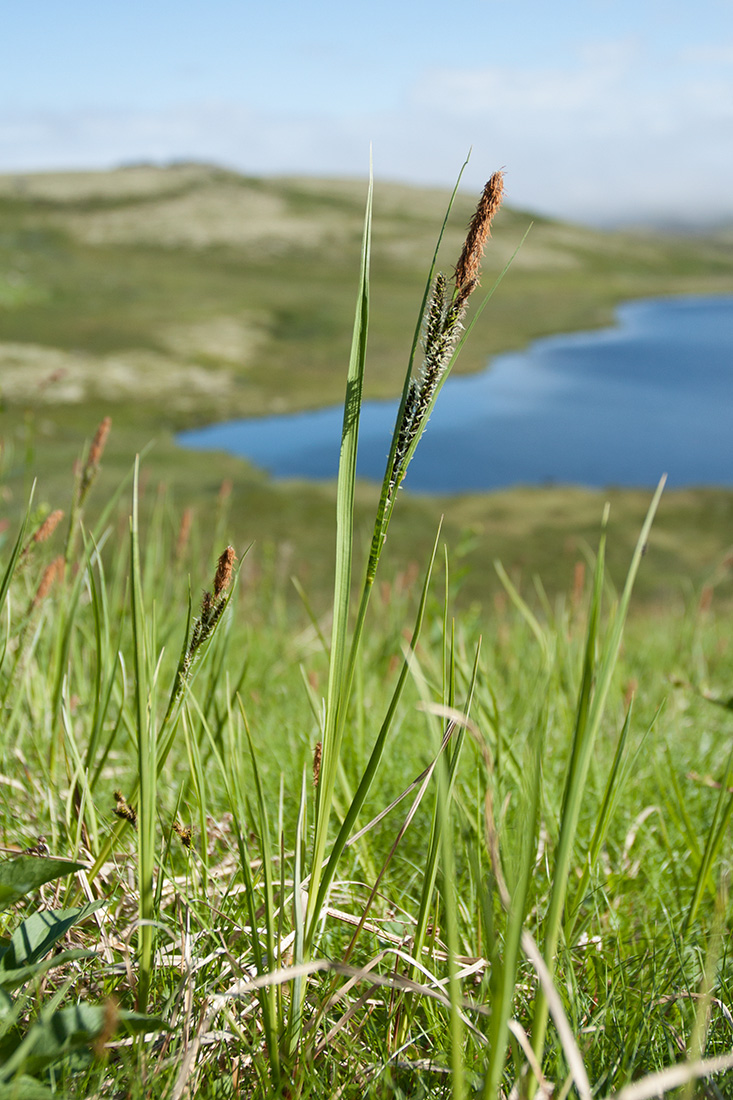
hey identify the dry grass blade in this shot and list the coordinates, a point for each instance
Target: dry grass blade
(570, 1047)
(658, 1084)
(424, 774)
(544, 1087)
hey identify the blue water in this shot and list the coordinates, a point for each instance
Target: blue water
(618, 406)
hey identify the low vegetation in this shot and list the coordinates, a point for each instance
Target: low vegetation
(378, 850)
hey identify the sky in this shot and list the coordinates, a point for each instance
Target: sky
(601, 111)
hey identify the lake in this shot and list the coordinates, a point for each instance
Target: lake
(616, 406)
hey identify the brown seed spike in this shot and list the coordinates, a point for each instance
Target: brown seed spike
(51, 573)
(479, 231)
(124, 810)
(96, 450)
(39, 849)
(48, 526)
(184, 533)
(99, 443)
(317, 754)
(223, 577)
(185, 834)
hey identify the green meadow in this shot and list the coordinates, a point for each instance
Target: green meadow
(328, 790)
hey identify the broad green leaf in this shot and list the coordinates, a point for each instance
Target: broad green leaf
(27, 1088)
(21, 876)
(137, 1023)
(38, 933)
(77, 1026)
(12, 979)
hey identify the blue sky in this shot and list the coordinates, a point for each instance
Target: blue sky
(599, 110)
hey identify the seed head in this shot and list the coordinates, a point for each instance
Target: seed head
(479, 231)
(185, 834)
(99, 442)
(48, 526)
(42, 533)
(40, 848)
(184, 533)
(124, 810)
(223, 577)
(51, 574)
(96, 450)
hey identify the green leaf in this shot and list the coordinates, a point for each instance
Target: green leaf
(27, 1088)
(138, 1022)
(38, 933)
(21, 876)
(52, 1037)
(12, 979)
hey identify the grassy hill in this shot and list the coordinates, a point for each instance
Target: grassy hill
(167, 297)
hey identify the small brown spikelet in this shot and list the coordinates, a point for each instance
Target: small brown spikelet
(223, 577)
(479, 231)
(124, 810)
(42, 533)
(48, 526)
(317, 754)
(40, 848)
(91, 466)
(99, 443)
(185, 835)
(184, 533)
(51, 574)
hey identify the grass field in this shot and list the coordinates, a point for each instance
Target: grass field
(546, 910)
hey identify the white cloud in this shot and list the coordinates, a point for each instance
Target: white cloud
(604, 139)
(608, 136)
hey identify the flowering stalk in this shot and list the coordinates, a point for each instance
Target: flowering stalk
(212, 608)
(441, 317)
(85, 477)
(442, 328)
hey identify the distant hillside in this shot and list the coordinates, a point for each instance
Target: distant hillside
(204, 293)
(171, 296)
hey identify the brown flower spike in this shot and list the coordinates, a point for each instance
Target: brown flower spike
(41, 534)
(96, 450)
(212, 608)
(124, 810)
(51, 574)
(48, 526)
(223, 577)
(185, 834)
(442, 328)
(479, 231)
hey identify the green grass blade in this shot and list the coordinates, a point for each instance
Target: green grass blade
(15, 552)
(146, 757)
(715, 836)
(377, 752)
(336, 701)
(296, 1020)
(594, 691)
